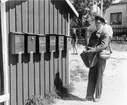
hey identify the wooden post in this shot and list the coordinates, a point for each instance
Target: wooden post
(86, 36)
(51, 72)
(67, 55)
(102, 8)
(5, 49)
(68, 24)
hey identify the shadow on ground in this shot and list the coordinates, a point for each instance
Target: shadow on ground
(64, 92)
(72, 97)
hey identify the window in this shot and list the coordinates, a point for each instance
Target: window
(116, 18)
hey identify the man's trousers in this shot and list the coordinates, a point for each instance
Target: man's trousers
(95, 79)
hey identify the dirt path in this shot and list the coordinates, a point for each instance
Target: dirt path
(114, 86)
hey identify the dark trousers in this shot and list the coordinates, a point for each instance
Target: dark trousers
(95, 79)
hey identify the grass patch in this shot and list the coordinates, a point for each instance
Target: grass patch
(34, 100)
(49, 99)
(78, 74)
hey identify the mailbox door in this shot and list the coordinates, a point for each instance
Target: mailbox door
(52, 43)
(61, 42)
(17, 44)
(31, 44)
(42, 44)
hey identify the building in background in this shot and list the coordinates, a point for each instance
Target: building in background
(116, 14)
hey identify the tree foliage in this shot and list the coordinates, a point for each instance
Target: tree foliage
(84, 8)
(106, 4)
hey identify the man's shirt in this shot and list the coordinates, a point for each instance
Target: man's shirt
(109, 28)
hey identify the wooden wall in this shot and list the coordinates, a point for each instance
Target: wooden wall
(34, 73)
(1, 65)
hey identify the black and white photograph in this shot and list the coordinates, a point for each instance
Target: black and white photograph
(63, 52)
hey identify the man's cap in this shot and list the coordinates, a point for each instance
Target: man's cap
(97, 17)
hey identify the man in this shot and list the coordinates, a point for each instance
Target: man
(99, 41)
(74, 41)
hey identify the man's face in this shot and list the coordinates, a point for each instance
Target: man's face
(98, 24)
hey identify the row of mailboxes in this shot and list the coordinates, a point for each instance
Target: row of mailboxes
(51, 43)
(31, 43)
(42, 44)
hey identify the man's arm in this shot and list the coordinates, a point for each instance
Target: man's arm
(103, 44)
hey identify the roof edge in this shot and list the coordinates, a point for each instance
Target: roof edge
(119, 3)
(72, 7)
(67, 1)
(2, 1)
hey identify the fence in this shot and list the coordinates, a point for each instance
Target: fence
(119, 34)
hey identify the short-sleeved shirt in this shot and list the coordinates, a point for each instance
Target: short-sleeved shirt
(109, 28)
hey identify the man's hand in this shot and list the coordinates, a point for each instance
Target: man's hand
(91, 49)
(85, 51)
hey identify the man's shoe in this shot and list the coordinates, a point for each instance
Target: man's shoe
(96, 100)
(89, 99)
(72, 53)
(76, 53)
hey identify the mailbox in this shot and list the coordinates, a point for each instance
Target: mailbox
(52, 43)
(61, 42)
(31, 43)
(42, 44)
(17, 43)
(68, 42)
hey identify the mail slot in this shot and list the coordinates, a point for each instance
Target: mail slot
(17, 43)
(31, 43)
(69, 42)
(61, 42)
(52, 43)
(42, 44)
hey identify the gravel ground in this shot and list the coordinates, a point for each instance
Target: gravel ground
(114, 85)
